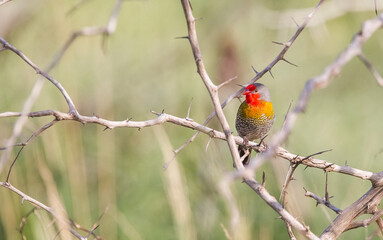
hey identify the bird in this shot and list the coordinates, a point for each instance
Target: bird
(255, 117)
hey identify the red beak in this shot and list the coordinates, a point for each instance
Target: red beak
(246, 92)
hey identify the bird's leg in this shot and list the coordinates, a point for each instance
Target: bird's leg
(262, 142)
(246, 142)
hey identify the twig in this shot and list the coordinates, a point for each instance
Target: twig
(365, 222)
(34, 135)
(38, 204)
(212, 89)
(164, 117)
(110, 28)
(273, 203)
(320, 200)
(72, 108)
(333, 9)
(226, 82)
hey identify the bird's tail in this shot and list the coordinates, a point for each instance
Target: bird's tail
(242, 151)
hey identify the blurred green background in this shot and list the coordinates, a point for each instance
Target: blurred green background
(143, 67)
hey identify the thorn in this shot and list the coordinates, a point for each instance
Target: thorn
(191, 7)
(106, 128)
(163, 110)
(226, 82)
(188, 113)
(155, 113)
(289, 62)
(22, 200)
(278, 43)
(263, 179)
(269, 70)
(240, 85)
(345, 163)
(325, 169)
(318, 153)
(184, 37)
(295, 22)
(167, 164)
(128, 119)
(254, 69)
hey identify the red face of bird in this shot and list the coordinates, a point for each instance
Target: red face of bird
(250, 89)
(257, 90)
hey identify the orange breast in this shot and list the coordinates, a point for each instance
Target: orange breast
(263, 110)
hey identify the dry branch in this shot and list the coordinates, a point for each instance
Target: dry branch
(344, 221)
(279, 57)
(323, 201)
(38, 204)
(212, 89)
(321, 81)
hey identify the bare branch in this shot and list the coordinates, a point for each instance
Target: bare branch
(34, 135)
(212, 89)
(320, 200)
(364, 204)
(164, 117)
(110, 28)
(365, 222)
(272, 202)
(72, 108)
(226, 82)
(38, 204)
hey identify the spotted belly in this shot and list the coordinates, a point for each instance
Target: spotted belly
(254, 122)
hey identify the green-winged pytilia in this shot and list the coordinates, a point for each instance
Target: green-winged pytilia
(255, 116)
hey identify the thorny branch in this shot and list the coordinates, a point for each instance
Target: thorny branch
(213, 91)
(4, 45)
(38, 204)
(279, 57)
(323, 201)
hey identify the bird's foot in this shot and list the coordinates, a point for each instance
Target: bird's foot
(262, 143)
